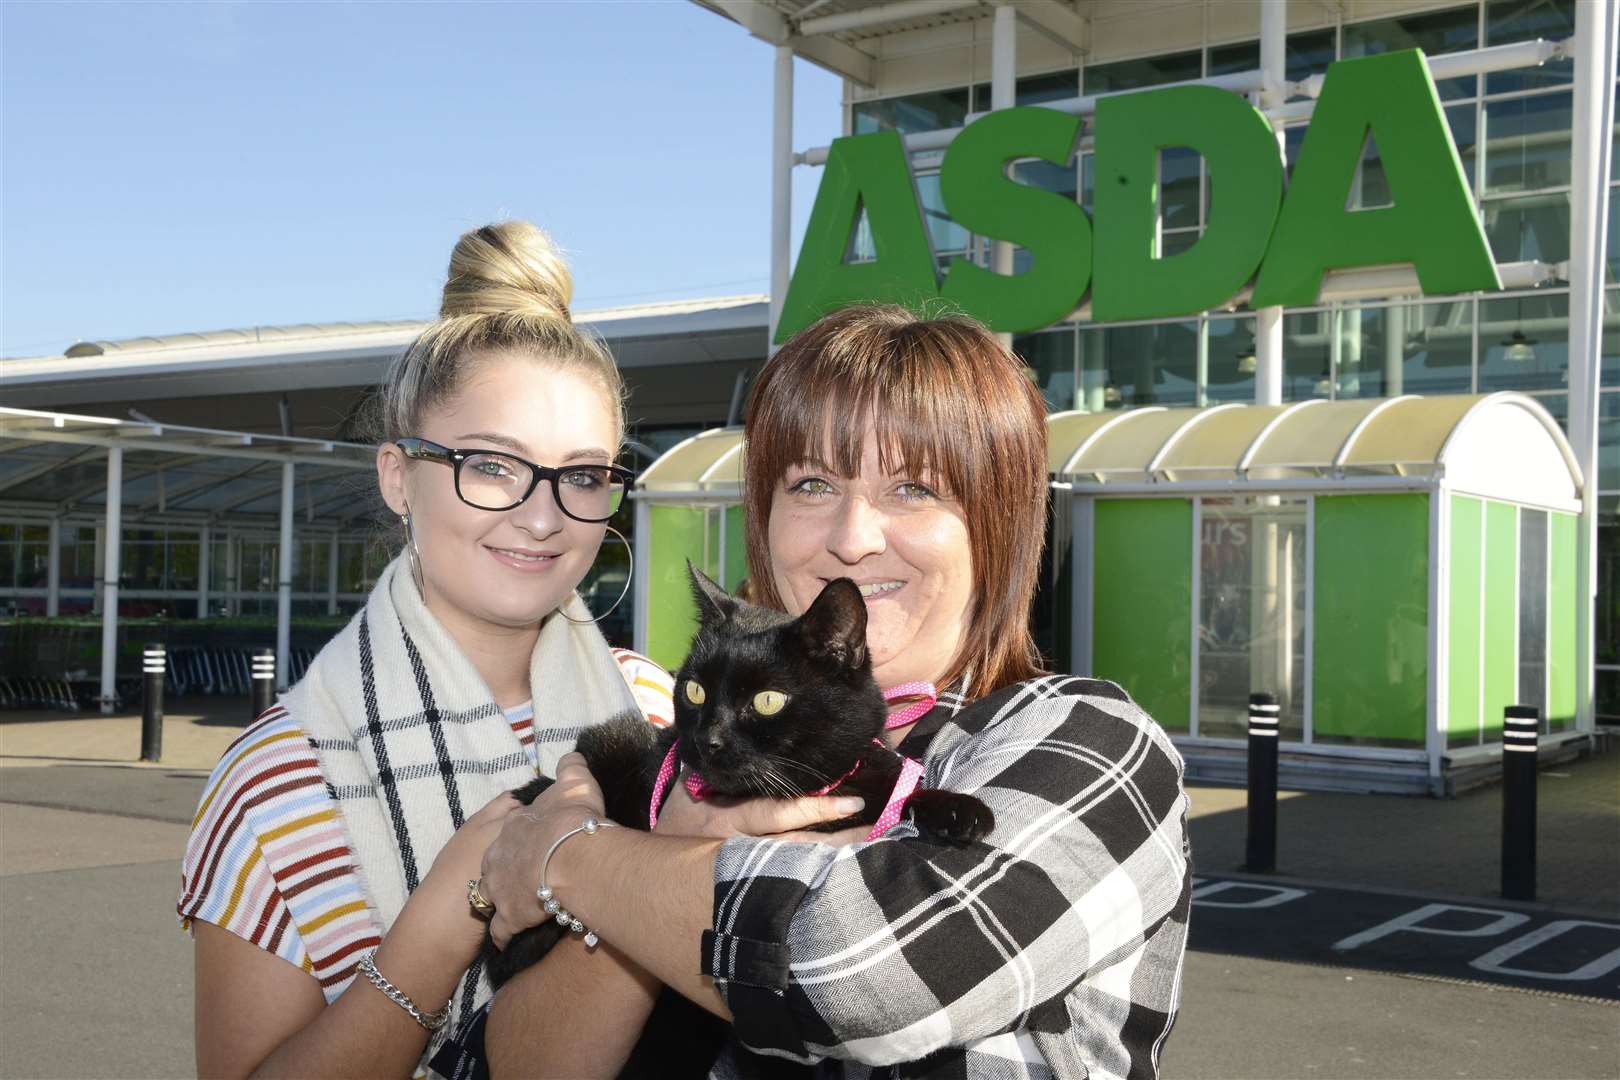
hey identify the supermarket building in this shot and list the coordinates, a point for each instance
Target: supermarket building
(1524, 90)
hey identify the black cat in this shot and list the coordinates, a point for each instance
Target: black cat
(765, 705)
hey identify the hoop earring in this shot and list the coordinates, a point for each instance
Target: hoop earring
(628, 577)
(411, 553)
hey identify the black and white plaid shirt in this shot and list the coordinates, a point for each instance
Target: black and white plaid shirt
(1052, 948)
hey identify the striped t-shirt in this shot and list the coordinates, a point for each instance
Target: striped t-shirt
(267, 859)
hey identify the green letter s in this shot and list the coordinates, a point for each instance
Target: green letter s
(982, 198)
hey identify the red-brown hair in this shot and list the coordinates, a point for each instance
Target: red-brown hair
(946, 401)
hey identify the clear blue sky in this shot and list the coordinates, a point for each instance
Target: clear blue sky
(176, 167)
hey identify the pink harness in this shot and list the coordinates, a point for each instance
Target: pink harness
(911, 771)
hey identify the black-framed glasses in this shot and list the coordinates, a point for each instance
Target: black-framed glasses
(494, 480)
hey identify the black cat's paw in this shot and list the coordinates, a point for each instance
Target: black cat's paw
(950, 815)
(531, 791)
(525, 949)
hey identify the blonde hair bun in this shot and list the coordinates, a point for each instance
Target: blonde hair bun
(510, 267)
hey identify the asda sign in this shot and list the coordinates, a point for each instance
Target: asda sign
(1281, 241)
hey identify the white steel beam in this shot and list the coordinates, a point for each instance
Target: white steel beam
(781, 187)
(1594, 49)
(284, 577)
(879, 15)
(1057, 21)
(113, 533)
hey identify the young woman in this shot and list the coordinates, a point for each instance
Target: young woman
(910, 456)
(326, 880)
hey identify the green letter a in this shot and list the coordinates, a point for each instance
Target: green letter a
(1432, 224)
(1130, 280)
(870, 171)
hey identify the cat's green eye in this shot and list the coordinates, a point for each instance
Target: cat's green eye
(694, 692)
(769, 702)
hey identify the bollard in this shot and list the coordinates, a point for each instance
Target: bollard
(1520, 727)
(264, 680)
(154, 666)
(1261, 847)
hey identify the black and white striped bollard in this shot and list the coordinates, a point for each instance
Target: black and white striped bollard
(264, 680)
(1261, 847)
(154, 667)
(1521, 725)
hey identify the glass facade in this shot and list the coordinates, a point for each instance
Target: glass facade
(1512, 131)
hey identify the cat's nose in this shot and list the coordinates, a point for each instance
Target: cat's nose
(714, 741)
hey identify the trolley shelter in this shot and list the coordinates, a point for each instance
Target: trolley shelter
(1396, 571)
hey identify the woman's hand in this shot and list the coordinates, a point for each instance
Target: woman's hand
(511, 865)
(444, 890)
(788, 819)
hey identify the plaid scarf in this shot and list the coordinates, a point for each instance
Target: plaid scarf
(411, 741)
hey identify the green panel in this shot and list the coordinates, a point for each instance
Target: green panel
(1467, 563)
(677, 535)
(1141, 627)
(1561, 593)
(736, 568)
(1370, 658)
(1501, 613)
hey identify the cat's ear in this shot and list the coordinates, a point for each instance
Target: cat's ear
(834, 626)
(715, 605)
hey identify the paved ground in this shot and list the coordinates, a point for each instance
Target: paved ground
(97, 976)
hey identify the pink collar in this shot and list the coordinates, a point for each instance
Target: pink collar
(910, 771)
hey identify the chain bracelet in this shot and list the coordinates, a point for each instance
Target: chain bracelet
(548, 901)
(431, 1021)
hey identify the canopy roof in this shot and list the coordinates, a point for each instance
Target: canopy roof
(56, 463)
(705, 468)
(1499, 445)
(1504, 445)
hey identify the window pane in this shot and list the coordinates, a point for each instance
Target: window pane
(1230, 377)
(1251, 612)
(1140, 365)
(1524, 343)
(1460, 119)
(184, 550)
(1533, 610)
(1610, 371)
(1435, 33)
(8, 556)
(1307, 355)
(1049, 362)
(944, 234)
(1178, 187)
(1034, 89)
(1507, 21)
(1406, 349)
(1609, 447)
(913, 113)
(1527, 143)
(1174, 243)
(1528, 227)
(1147, 71)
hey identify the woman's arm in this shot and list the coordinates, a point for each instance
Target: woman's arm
(887, 951)
(258, 1015)
(579, 1014)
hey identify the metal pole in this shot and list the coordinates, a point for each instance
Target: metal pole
(109, 586)
(264, 674)
(1520, 725)
(285, 576)
(781, 186)
(154, 667)
(1003, 95)
(1593, 119)
(53, 571)
(332, 575)
(1268, 322)
(205, 544)
(1261, 846)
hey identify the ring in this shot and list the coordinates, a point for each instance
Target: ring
(475, 900)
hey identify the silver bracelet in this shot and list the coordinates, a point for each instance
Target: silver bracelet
(432, 1021)
(548, 901)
